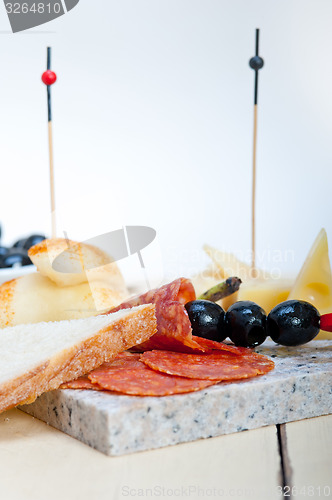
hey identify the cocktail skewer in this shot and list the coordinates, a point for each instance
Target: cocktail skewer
(49, 77)
(256, 63)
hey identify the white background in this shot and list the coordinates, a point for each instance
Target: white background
(153, 120)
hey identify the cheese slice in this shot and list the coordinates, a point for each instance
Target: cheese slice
(266, 293)
(314, 281)
(225, 264)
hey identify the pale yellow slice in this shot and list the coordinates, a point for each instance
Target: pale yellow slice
(223, 266)
(266, 293)
(229, 265)
(314, 281)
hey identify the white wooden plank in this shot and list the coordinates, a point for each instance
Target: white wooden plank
(37, 461)
(309, 450)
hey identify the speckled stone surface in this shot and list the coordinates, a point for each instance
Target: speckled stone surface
(299, 387)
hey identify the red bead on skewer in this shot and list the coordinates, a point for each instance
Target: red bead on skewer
(48, 77)
(326, 322)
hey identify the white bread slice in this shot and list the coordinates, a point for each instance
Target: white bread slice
(36, 358)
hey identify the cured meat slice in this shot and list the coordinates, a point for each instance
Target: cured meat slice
(221, 365)
(211, 345)
(119, 362)
(81, 383)
(131, 376)
(173, 324)
(180, 290)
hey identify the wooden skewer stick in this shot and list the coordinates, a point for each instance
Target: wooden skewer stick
(50, 145)
(253, 199)
(256, 63)
(49, 77)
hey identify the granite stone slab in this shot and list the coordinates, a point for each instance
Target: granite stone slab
(299, 387)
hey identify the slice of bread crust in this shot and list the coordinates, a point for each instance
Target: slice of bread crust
(44, 372)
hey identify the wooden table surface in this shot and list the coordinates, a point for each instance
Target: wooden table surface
(293, 460)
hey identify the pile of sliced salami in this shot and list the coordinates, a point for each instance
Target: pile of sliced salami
(173, 361)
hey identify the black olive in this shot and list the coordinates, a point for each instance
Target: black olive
(19, 243)
(293, 322)
(3, 251)
(207, 319)
(245, 324)
(14, 258)
(29, 242)
(33, 240)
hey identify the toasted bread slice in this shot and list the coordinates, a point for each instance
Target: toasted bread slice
(36, 358)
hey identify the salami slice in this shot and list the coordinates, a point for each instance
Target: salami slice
(119, 362)
(180, 290)
(211, 345)
(173, 324)
(81, 383)
(131, 376)
(220, 366)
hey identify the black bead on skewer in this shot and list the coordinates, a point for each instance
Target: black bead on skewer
(256, 63)
(49, 102)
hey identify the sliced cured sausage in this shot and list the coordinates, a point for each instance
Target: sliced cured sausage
(221, 365)
(81, 383)
(131, 376)
(211, 345)
(174, 327)
(180, 290)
